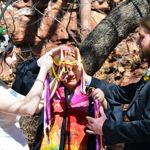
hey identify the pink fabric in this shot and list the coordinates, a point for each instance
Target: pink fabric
(76, 121)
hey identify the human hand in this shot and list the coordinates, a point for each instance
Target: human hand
(45, 61)
(58, 51)
(95, 125)
(98, 94)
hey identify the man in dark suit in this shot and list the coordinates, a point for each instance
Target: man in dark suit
(135, 132)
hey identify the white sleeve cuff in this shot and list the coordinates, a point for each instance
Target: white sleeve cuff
(88, 80)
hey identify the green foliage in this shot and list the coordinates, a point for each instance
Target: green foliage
(2, 31)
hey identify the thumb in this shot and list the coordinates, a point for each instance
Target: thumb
(102, 111)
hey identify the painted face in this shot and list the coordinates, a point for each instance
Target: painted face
(72, 76)
(144, 42)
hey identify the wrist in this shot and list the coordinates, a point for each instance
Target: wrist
(42, 73)
(44, 68)
(39, 80)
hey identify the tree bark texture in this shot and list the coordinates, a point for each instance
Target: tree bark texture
(110, 31)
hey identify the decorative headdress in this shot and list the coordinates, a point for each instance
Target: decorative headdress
(6, 43)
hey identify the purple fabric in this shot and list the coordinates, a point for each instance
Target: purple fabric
(47, 110)
(96, 115)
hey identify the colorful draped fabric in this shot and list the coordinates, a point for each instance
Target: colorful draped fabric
(76, 138)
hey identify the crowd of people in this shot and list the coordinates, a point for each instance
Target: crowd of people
(69, 93)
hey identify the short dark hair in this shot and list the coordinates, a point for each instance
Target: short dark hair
(145, 22)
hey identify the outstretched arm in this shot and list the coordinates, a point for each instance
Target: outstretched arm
(29, 104)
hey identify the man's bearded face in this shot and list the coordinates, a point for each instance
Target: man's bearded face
(144, 42)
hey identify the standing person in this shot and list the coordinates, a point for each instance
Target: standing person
(70, 104)
(135, 132)
(12, 104)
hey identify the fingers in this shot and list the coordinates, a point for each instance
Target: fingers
(63, 51)
(57, 50)
(90, 125)
(69, 52)
(102, 111)
(77, 54)
(90, 119)
(98, 94)
(62, 55)
(89, 132)
(45, 60)
(64, 47)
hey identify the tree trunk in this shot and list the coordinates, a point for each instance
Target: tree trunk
(110, 31)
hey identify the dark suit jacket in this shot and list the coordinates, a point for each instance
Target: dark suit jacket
(136, 133)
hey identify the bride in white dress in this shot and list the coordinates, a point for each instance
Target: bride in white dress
(12, 104)
(11, 136)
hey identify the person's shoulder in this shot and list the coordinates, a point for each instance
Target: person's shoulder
(147, 83)
(15, 94)
(3, 85)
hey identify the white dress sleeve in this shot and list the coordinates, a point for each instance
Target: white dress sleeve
(11, 136)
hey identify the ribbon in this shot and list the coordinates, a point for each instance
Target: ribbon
(47, 110)
(99, 139)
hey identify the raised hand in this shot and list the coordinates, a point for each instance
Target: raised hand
(45, 61)
(60, 50)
